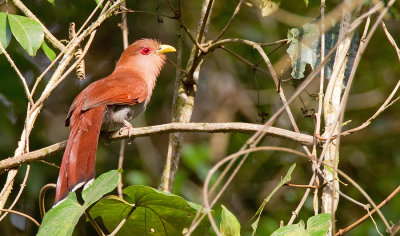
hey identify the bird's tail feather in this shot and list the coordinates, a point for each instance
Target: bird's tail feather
(78, 163)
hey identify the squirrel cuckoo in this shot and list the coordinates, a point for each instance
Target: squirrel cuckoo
(108, 104)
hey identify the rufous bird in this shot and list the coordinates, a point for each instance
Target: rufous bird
(108, 105)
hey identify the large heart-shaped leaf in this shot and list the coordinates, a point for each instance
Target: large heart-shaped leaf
(152, 212)
(28, 32)
(5, 31)
(61, 220)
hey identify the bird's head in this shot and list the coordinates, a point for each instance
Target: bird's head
(146, 55)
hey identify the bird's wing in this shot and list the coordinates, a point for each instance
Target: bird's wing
(115, 89)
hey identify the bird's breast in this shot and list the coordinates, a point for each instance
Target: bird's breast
(114, 115)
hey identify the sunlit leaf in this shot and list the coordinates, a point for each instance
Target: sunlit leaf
(318, 225)
(306, 2)
(51, 1)
(48, 51)
(229, 226)
(102, 185)
(61, 220)
(153, 212)
(28, 32)
(291, 230)
(5, 31)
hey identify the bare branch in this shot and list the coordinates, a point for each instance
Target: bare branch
(43, 153)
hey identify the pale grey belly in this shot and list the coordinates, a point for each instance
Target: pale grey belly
(114, 116)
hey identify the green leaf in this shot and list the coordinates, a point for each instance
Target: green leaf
(104, 184)
(5, 31)
(306, 2)
(61, 220)
(229, 226)
(285, 179)
(303, 48)
(318, 225)
(291, 230)
(28, 33)
(155, 213)
(48, 51)
(51, 1)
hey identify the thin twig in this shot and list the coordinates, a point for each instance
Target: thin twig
(23, 185)
(23, 80)
(207, 204)
(94, 223)
(123, 221)
(237, 9)
(366, 216)
(247, 62)
(365, 194)
(391, 39)
(42, 195)
(274, 43)
(21, 214)
(91, 15)
(120, 167)
(301, 186)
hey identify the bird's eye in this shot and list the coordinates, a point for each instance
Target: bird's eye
(145, 51)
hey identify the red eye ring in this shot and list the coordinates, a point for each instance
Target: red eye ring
(145, 51)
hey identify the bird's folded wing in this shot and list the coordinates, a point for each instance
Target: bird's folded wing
(109, 91)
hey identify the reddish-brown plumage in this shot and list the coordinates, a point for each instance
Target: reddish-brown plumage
(104, 105)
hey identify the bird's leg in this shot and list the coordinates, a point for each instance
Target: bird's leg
(127, 126)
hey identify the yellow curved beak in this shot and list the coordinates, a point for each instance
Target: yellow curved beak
(165, 48)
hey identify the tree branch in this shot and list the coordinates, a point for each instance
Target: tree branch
(13, 162)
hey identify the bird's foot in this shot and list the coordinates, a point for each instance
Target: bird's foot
(128, 126)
